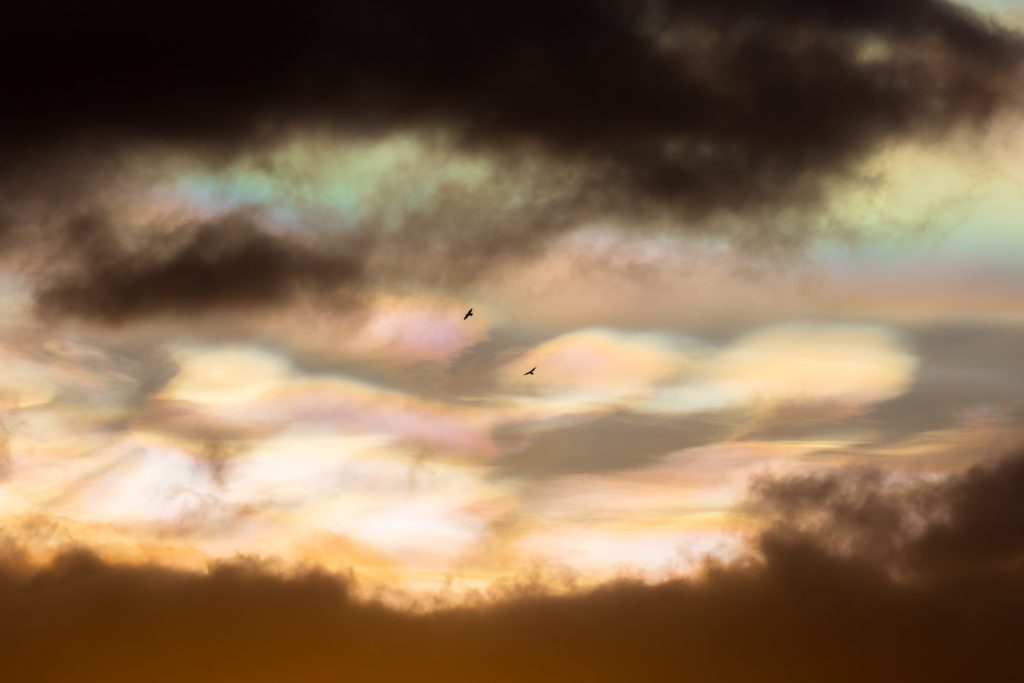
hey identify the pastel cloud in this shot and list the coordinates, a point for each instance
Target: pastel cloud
(261, 390)
(843, 364)
(22, 384)
(846, 365)
(361, 501)
(142, 484)
(652, 520)
(40, 368)
(417, 329)
(383, 331)
(226, 374)
(365, 489)
(599, 367)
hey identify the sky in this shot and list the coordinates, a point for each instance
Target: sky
(766, 258)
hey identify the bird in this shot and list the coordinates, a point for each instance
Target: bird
(530, 372)
(468, 313)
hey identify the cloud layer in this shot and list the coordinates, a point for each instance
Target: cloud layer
(236, 245)
(687, 103)
(854, 577)
(682, 114)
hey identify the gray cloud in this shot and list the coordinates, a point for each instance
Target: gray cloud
(229, 262)
(617, 440)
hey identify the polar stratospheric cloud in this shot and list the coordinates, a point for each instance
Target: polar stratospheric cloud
(766, 258)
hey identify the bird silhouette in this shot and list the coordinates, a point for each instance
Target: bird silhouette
(468, 313)
(530, 372)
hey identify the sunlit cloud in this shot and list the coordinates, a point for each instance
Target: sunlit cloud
(141, 484)
(226, 375)
(385, 330)
(851, 365)
(417, 329)
(843, 364)
(598, 368)
(654, 520)
(232, 299)
(258, 388)
(858, 364)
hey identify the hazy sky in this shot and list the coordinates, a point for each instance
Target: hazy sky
(743, 243)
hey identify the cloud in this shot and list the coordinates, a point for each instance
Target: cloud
(599, 367)
(682, 103)
(227, 262)
(964, 368)
(415, 329)
(234, 391)
(531, 121)
(606, 399)
(842, 365)
(813, 370)
(366, 488)
(607, 441)
(963, 403)
(963, 525)
(855, 363)
(226, 374)
(854, 577)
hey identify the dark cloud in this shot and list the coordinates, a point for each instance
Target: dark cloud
(656, 111)
(694, 104)
(228, 262)
(967, 525)
(660, 111)
(854, 577)
(982, 528)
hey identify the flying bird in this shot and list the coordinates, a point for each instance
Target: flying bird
(468, 313)
(530, 372)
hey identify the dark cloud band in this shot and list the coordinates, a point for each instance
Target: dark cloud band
(693, 104)
(853, 579)
(655, 110)
(227, 263)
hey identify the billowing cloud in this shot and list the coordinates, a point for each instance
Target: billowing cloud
(845, 365)
(598, 368)
(258, 390)
(412, 329)
(859, 364)
(681, 102)
(854, 577)
(604, 400)
(739, 241)
(674, 114)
